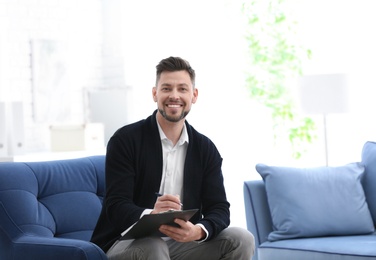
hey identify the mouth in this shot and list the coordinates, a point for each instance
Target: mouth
(174, 105)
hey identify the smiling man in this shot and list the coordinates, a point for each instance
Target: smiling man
(163, 154)
(174, 93)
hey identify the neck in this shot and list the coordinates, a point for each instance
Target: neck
(172, 130)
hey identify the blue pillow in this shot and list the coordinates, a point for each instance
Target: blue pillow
(312, 202)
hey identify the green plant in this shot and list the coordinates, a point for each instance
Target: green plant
(275, 58)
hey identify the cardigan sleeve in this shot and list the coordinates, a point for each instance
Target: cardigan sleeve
(204, 185)
(120, 181)
(133, 172)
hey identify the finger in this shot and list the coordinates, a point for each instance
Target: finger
(169, 201)
(177, 234)
(169, 230)
(181, 222)
(169, 197)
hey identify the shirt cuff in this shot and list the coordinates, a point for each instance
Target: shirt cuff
(146, 212)
(206, 232)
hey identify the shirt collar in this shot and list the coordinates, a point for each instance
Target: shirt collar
(184, 138)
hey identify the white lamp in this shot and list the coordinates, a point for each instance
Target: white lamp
(324, 94)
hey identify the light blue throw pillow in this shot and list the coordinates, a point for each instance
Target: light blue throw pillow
(312, 202)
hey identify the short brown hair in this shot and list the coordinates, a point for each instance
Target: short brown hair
(175, 64)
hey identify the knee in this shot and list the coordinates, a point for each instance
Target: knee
(242, 239)
(242, 234)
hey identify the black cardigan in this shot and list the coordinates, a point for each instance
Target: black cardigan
(133, 175)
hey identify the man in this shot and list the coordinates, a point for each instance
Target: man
(163, 154)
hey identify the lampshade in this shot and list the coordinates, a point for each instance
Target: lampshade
(324, 93)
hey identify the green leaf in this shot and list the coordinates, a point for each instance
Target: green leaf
(275, 56)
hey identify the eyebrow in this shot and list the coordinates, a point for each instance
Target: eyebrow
(181, 84)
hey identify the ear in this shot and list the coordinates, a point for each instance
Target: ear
(195, 95)
(154, 93)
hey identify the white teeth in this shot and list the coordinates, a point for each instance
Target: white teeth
(173, 105)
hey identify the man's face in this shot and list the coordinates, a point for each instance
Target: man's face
(174, 95)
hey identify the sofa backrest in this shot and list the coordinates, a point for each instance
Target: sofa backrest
(258, 217)
(369, 180)
(54, 198)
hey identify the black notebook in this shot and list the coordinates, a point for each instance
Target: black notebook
(148, 225)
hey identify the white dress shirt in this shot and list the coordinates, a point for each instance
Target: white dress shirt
(173, 167)
(173, 163)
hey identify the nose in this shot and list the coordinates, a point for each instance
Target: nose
(174, 94)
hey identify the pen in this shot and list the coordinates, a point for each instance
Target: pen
(160, 194)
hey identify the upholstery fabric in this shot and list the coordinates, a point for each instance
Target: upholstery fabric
(369, 180)
(259, 221)
(48, 210)
(325, 248)
(311, 202)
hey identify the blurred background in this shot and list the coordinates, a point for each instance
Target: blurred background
(72, 72)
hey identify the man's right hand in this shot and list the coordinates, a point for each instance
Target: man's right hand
(167, 202)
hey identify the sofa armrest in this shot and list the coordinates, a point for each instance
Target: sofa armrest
(16, 245)
(29, 247)
(258, 217)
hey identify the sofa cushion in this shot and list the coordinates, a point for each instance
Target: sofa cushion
(320, 201)
(369, 180)
(328, 248)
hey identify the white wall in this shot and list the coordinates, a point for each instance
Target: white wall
(76, 26)
(340, 34)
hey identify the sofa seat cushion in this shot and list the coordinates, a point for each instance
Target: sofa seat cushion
(328, 248)
(314, 202)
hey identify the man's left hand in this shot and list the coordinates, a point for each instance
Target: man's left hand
(187, 232)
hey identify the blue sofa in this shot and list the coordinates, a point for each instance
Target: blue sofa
(314, 213)
(48, 210)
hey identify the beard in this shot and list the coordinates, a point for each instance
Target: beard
(173, 119)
